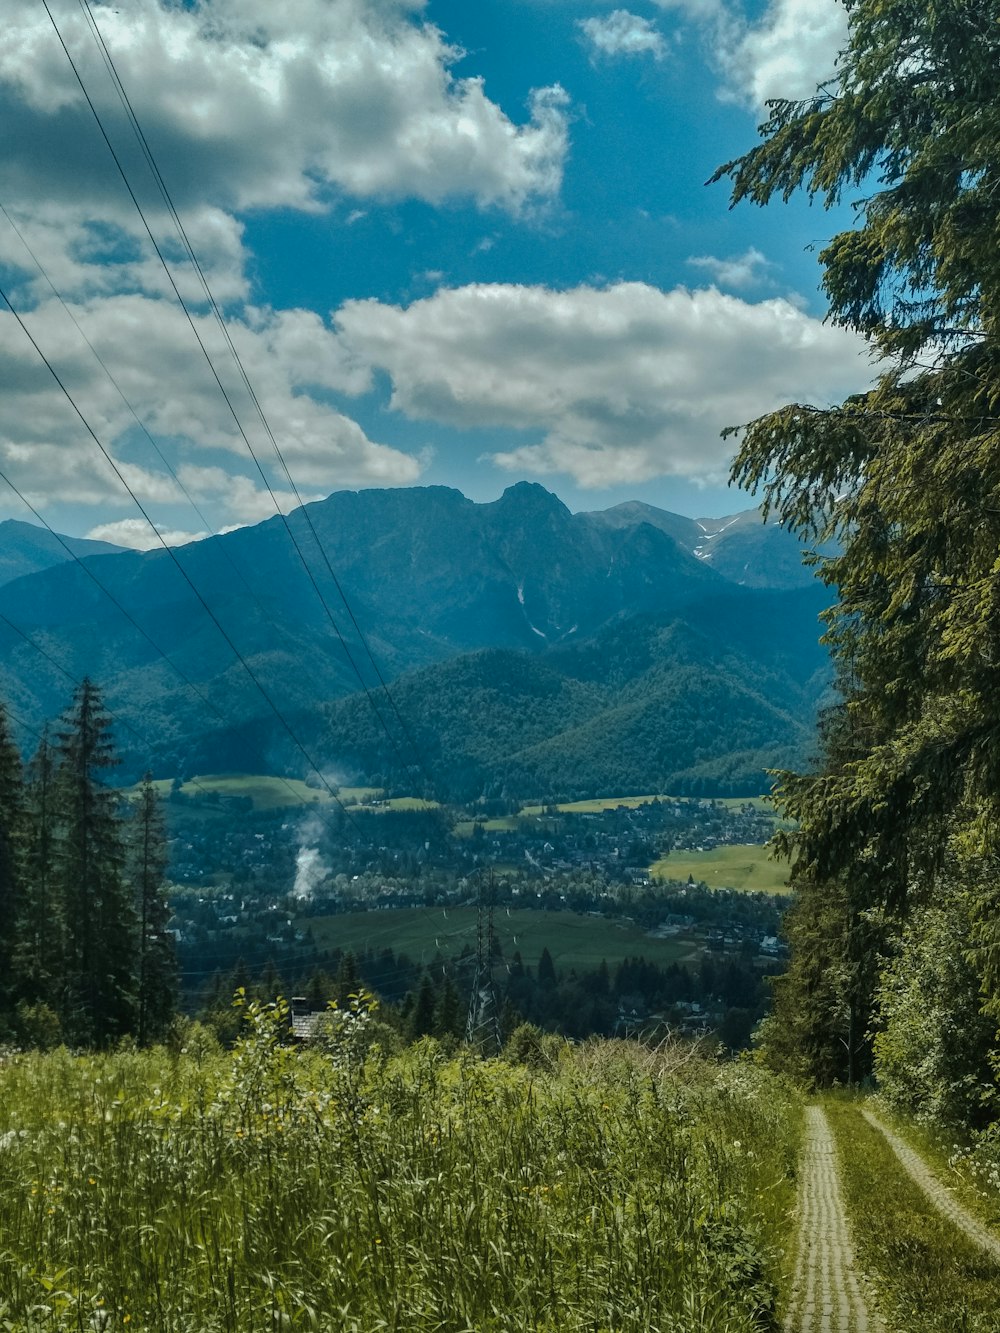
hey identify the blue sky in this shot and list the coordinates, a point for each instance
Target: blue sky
(455, 244)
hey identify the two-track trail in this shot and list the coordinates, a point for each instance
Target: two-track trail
(938, 1194)
(827, 1294)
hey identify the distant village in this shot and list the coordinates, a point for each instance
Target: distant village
(254, 885)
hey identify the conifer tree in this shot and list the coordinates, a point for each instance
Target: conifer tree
(98, 999)
(348, 980)
(156, 964)
(11, 879)
(41, 942)
(421, 1018)
(905, 476)
(449, 1021)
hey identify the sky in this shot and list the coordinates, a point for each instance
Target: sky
(453, 243)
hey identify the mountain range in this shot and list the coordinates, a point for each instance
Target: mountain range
(527, 649)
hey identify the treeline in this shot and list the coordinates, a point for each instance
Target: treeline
(85, 954)
(434, 1000)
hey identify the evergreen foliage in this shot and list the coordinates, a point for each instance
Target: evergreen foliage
(99, 973)
(41, 930)
(84, 948)
(156, 963)
(11, 833)
(906, 477)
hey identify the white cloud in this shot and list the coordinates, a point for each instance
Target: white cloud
(621, 384)
(745, 270)
(293, 360)
(252, 104)
(622, 33)
(248, 105)
(136, 535)
(789, 52)
(785, 53)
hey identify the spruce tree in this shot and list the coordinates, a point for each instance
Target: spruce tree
(905, 478)
(98, 991)
(156, 964)
(41, 932)
(11, 879)
(449, 1020)
(421, 1018)
(348, 980)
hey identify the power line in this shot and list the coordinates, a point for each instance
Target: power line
(170, 552)
(165, 193)
(223, 548)
(73, 555)
(155, 170)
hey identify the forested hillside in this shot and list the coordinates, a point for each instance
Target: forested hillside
(650, 703)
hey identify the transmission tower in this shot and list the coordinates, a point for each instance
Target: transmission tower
(482, 1029)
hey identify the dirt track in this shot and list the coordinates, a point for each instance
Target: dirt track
(826, 1292)
(939, 1195)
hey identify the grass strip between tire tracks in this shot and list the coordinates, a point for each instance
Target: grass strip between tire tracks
(928, 1276)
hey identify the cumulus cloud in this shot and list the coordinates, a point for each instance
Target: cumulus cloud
(745, 270)
(622, 33)
(307, 105)
(789, 52)
(135, 534)
(790, 49)
(293, 360)
(251, 104)
(611, 385)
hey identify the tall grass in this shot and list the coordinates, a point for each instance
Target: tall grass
(273, 1188)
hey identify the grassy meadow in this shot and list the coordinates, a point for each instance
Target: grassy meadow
(269, 1188)
(749, 868)
(574, 939)
(275, 793)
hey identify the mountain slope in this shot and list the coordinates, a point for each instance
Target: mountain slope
(27, 549)
(740, 547)
(650, 703)
(430, 576)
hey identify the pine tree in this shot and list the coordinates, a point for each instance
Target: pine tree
(41, 932)
(546, 970)
(449, 1021)
(11, 872)
(98, 991)
(348, 980)
(904, 476)
(421, 1019)
(156, 962)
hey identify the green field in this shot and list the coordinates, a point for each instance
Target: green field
(744, 867)
(599, 803)
(274, 793)
(573, 939)
(503, 824)
(395, 802)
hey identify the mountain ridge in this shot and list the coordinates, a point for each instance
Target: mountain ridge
(429, 575)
